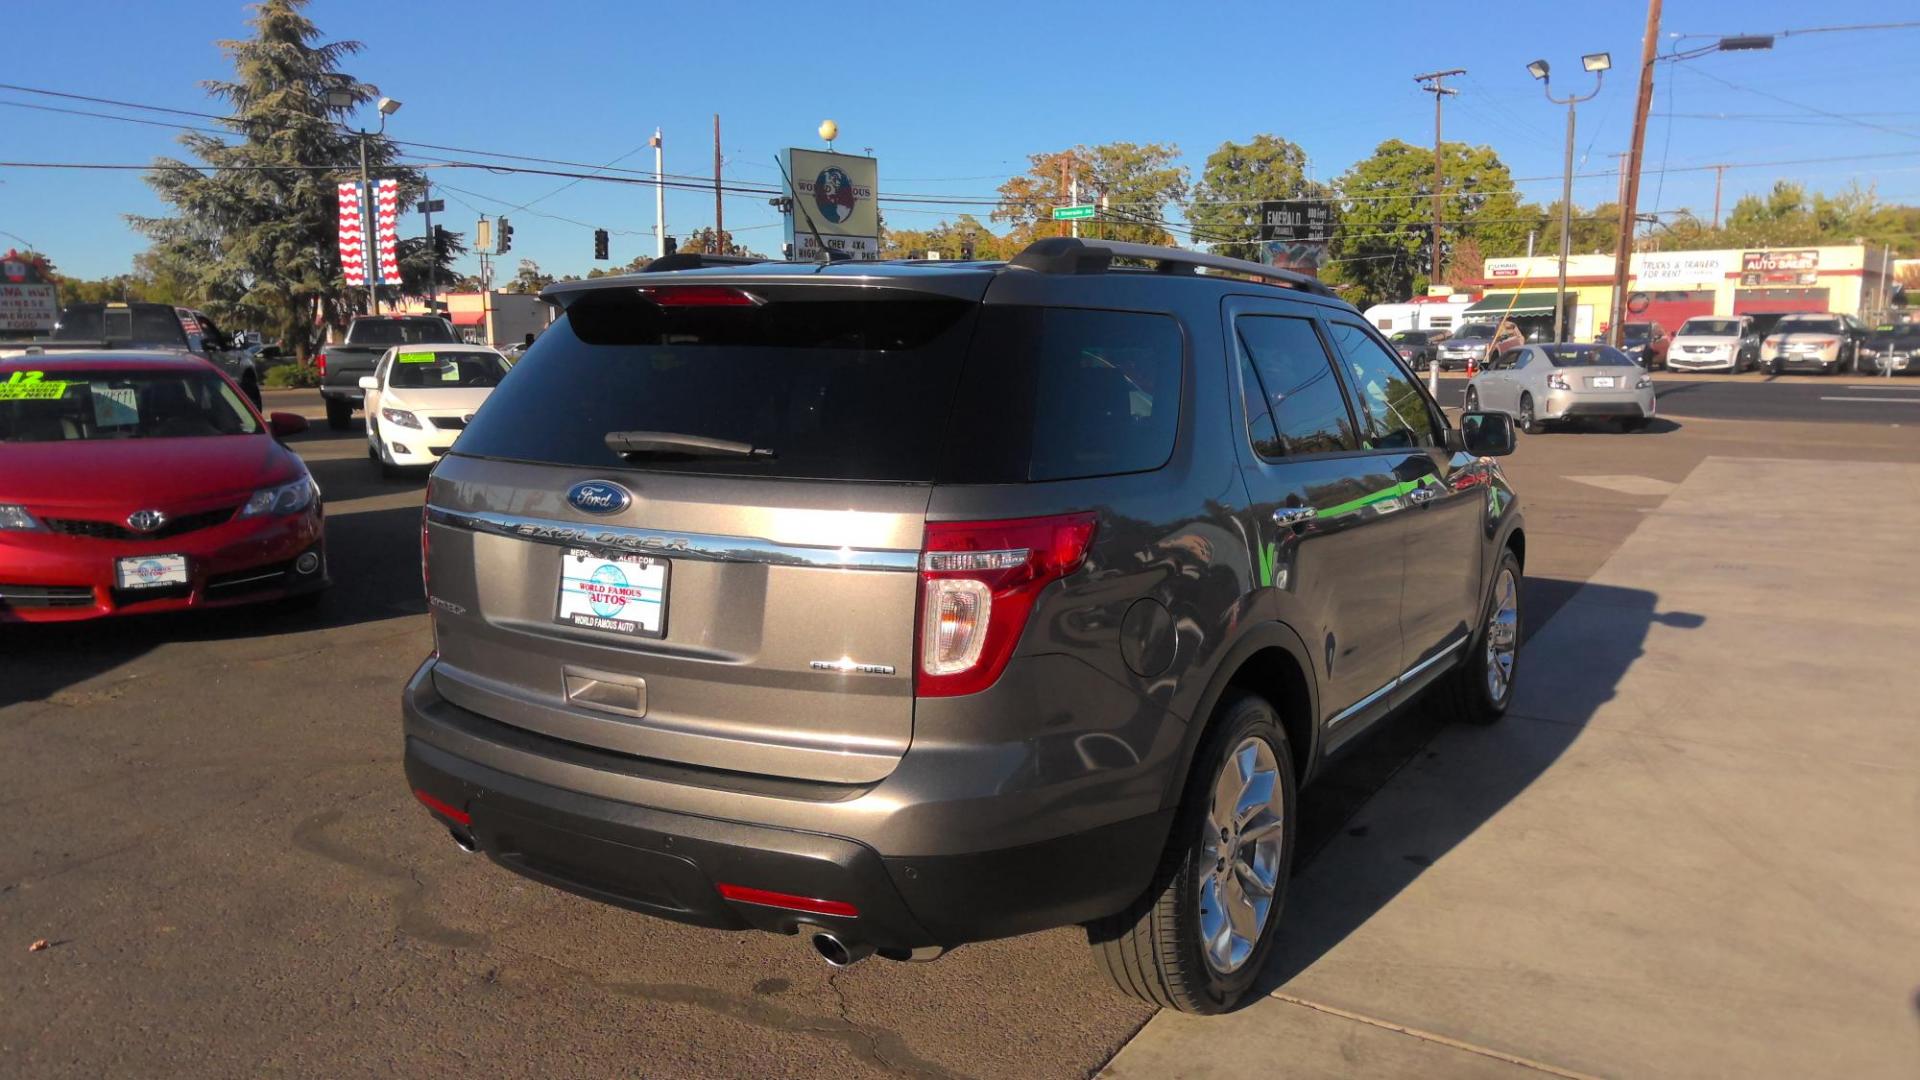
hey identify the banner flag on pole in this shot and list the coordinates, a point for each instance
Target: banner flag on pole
(353, 235)
(387, 232)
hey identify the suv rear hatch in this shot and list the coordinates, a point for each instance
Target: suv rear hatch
(686, 526)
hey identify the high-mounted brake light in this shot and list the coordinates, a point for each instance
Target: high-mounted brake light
(790, 902)
(978, 582)
(700, 296)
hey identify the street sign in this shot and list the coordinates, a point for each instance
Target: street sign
(431, 206)
(1072, 213)
(1296, 220)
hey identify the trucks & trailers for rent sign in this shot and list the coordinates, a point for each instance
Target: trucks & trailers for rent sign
(835, 192)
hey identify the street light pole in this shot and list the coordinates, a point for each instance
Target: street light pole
(367, 216)
(1598, 63)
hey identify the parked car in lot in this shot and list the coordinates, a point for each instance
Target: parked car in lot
(419, 399)
(1821, 343)
(732, 627)
(1419, 348)
(146, 482)
(342, 366)
(1647, 343)
(1715, 343)
(143, 326)
(1543, 384)
(1471, 342)
(1892, 349)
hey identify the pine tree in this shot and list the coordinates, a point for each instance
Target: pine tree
(254, 236)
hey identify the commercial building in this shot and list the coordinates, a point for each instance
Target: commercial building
(1671, 287)
(499, 319)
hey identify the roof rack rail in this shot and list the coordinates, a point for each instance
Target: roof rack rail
(695, 260)
(1070, 255)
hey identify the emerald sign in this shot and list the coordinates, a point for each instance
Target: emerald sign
(1072, 213)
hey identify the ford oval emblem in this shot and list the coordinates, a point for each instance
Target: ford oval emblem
(599, 497)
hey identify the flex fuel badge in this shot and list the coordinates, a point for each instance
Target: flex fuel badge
(31, 386)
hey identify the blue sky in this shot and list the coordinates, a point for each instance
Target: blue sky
(952, 97)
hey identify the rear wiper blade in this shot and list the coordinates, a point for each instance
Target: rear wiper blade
(678, 444)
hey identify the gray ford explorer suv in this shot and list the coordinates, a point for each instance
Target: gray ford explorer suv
(903, 605)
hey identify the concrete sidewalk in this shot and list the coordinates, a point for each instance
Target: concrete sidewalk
(1692, 850)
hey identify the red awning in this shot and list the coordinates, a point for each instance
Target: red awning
(467, 318)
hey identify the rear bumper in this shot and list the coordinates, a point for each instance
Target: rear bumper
(1567, 405)
(1804, 362)
(670, 864)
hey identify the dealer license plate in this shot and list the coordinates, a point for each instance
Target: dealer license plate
(150, 571)
(1603, 382)
(626, 594)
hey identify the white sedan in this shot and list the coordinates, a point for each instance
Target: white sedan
(420, 397)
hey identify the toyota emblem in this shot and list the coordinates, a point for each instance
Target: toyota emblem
(146, 520)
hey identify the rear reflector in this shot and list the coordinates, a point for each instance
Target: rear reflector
(700, 296)
(438, 807)
(788, 901)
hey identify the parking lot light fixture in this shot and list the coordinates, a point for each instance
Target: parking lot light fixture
(1597, 62)
(1539, 69)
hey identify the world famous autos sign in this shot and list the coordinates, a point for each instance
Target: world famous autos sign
(836, 193)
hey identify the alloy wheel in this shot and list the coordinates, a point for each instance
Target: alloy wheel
(1241, 852)
(1526, 414)
(1503, 635)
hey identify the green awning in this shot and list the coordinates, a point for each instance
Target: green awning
(1529, 303)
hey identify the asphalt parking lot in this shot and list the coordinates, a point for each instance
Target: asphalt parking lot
(208, 824)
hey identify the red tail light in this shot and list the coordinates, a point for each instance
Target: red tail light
(809, 904)
(453, 813)
(320, 364)
(978, 581)
(700, 296)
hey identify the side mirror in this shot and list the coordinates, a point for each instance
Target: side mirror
(1487, 434)
(283, 424)
(368, 382)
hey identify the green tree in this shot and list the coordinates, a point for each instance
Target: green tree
(253, 238)
(1225, 211)
(1382, 241)
(949, 239)
(702, 241)
(529, 278)
(1138, 181)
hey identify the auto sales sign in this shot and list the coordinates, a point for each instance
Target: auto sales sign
(29, 301)
(833, 193)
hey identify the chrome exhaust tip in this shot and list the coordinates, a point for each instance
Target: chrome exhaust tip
(464, 840)
(838, 953)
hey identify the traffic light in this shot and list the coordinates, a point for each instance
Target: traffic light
(599, 243)
(505, 232)
(966, 249)
(672, 245)
(439, 237)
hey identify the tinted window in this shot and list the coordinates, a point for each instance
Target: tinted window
(1393, 410)
(133, 324)
(1076, 392)
(1713, 327)
(1807, 326)
(1475, 331)
(830, 388)
(398, 332)
(57, 406)
(1294, 401)
(445, 371)
(1592, 356)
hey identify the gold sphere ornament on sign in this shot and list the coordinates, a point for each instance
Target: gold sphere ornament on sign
(829, 130)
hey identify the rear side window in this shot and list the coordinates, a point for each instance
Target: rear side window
(133, 324)
(1393, 410)
(1294, 402)
(1064, 393)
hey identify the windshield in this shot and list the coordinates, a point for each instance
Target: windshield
(1711, 327)
(65, 406)
(1482, 331)
(1586, 356)
(398, 332)
(137, 324)
(1637, 331)
(1411, 337)
(1807, 326)
(445, 371)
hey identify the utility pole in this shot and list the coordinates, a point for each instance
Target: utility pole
(1719, 171)
(719, 215)
(433, 249)
(659, 196)
(1434, 82)
(369, 228)
(1065, 228)
(1073, 197)
(1649, 47)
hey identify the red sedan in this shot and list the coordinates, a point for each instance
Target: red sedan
(143, 482)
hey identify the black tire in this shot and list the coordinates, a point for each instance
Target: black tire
(1633, 423)
(339, 414)
(1153, 950)
(1528, 421)
(1465, 695)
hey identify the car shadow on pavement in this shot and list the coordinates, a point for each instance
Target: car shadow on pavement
(373, 557)
(1378, 859)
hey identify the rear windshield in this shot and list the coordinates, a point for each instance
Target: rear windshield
(1807, 326)
(1636, 331)
(398, 332)
(892, 386)
(1714, 327)
(137, 324)
(67, 406)
(445, 371)
(1587, 356)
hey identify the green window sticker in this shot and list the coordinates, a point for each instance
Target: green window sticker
(417, 357)
(31, 386)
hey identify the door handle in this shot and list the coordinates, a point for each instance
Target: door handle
(1294, 515)
(1421, 496)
